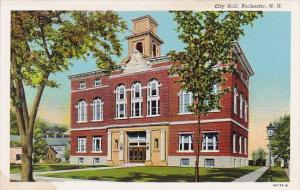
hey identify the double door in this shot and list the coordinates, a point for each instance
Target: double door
(137, 154)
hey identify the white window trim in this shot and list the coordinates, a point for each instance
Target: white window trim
(240, 145)
(215, 143)
(120, 102)
(101, 103)
(96, 80)
(94, 145)
(235, 100)
(181, 141)
(82, 85)
(182, 103)
(245, 145)
(151, 98)
(234, 143)
(246, 111)
(135, 100)
(81, 141)
(241, 106)
(79, 114)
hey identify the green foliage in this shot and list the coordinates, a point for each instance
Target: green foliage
(39, 143)
(15, 144)
(261, 154)
(281, 139)
(209, 37)
(67, 154)
(45, 41)
(13, 124)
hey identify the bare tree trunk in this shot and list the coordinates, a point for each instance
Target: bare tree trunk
(198, 136)
(26, 172)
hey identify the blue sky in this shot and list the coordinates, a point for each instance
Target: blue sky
(266, 45)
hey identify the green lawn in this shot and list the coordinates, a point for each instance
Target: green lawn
(14, 168)
(278, 175)
(158, 174)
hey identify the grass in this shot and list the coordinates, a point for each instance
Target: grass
(278, 175)
(16, 168)
(158, 174)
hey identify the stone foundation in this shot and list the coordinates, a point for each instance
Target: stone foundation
(89, 160)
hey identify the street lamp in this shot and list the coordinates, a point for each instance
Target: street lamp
(270, 132)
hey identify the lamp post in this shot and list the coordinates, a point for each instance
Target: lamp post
(270, 132)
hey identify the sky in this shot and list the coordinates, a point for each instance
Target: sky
(266, 46)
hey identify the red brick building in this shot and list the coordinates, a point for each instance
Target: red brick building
(138, 114)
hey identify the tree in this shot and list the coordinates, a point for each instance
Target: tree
(281, 139)
(209, 39)
(13, 124)
(43, 43)
(39, 143)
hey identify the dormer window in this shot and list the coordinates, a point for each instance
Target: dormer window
(97, 82)
(139, 47)
(82, 85)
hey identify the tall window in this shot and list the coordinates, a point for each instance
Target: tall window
(210, 141)
(154, 50)
(121, 101)
(82, 111)
(234, 143)
(97, 141)
(185, 142)
(136, 100)
(97, 110)
(139, 47)
(153, 100)
(185, 100)
(235, 96)
(241, 105)
(246, 111)
(81, 144)
(245, 145)
(240, 145)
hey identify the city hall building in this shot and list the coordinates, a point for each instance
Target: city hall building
(138, 114)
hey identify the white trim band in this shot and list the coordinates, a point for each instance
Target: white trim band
(162, 123)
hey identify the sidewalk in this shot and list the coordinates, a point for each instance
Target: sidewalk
(38, 175)
(253, 176)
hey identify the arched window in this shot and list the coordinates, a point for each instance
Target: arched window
(241, 105)
(235, 96)
(246, 111)
(234, 143)
(240, 145)
(121, 101)
(139, 47)
(185, 100)
(245, 145)
(153, 99)
(82, 111)
(154, 50)
(136, 100)
(97, 110)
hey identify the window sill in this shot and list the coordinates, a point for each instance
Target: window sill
(210, 151)
(152, 115)
(96, 152)
(96, 120)
(136, 117)
(81, 152)
(214, 111)
(120, 118)
(185, 151)
(187, 113)
(81, 121)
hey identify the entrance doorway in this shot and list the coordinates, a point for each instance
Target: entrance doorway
(136, 147)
